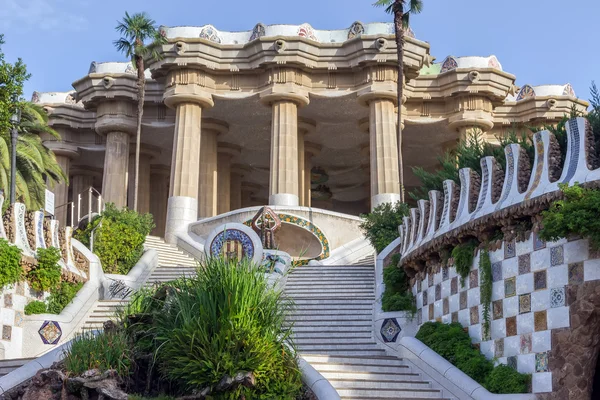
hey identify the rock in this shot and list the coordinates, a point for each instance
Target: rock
(225, 383)
(112, 393)
(45, 385)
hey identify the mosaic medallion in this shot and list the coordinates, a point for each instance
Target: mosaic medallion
(306, 31)
(526, 92)
(210, 33)
(449, 64)
(258, 31)
(50, 332)
(524, 303)
(540, 321)
(232, 244)
(576, 273)
(390, 330)
(557, 256)
(541, 362)
(557, 297)
(356, 30)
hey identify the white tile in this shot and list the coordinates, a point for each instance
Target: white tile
(487, 349)
(430, 295)
(576, 251)
(525, 323)
(510, 267)
(437, 278)
(475, 333)
(540, 341)
(540, 300)
(558, 317)
(453, 302)
(525, 283)
(510, 306)
(556, 243)
(446, 288)
(526, 363)
(501, 360)
(591, 270)
(464, 318)
(558, 276)
(512, 345)
(498, 328)
(446, 319)
(498, 290)
(19, 302)
(414, 290)
(541, 382)
(8, 316)
(525, 246)
(497, 255)
(473, 296)
(419, 301)
(438, 309)
(452, 272)
(540, 259)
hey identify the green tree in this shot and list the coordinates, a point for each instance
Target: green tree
(140, 40)
(401, 10)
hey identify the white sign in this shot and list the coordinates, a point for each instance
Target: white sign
(49, 205)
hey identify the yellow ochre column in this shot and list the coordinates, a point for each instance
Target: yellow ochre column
(207, 186)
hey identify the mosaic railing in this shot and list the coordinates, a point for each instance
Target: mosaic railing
(477, 201)
(30, 231)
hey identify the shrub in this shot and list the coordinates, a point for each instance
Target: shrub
(35, 307)
(104, 351)
(62, 295)
(453, 343)
(397, 295)
(46, 275)
(576, 214)
(226, 320)
(119, 240)
(463, 259)
(380, 226)
(10, 260)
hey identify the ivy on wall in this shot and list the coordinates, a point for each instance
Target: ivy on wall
(10, 263)
(463, 259)
(485, 272)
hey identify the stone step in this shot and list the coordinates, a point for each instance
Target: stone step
(327, 285)
(358, 368)
(337, 311)
(320, 336)
(327, 328)
(330, 289)
(331, 319)
(332, 303)
(381, 393)
(335, 346)
(366, 307)
(356, 383)
(357, 341)
(344, 352)
(367, 375)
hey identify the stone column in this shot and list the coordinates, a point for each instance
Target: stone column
(147, 153)
(226, 152)
(301, 171)
(82, 178)
(475, 113)
(385, 179)
(249, 189)
(237, 174)
(65, 153)
(159, 196)
(185, 93)
(310, 150)
(117, 121)
(207, 185)
(283, 183)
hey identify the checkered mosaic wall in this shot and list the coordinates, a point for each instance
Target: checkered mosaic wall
(528, 300)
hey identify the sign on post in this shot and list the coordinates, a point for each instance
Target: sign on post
(49, 203)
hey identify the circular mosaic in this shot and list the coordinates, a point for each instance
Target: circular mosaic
(232, 244)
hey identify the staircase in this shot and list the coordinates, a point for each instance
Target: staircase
(332, 324)
(102, 311)
(7, 366)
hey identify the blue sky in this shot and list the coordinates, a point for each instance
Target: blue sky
(539, 41)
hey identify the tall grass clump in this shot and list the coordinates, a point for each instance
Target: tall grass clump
(104, 351)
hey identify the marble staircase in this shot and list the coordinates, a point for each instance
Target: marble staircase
(333, 331)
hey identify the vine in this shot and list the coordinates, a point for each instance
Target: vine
(463, 259)
(46, 275)
(10, 263)
(485, 269)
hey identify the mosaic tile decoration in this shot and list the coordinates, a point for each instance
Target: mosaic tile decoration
(541, 362)
(420, 316)
(474, 314)
(539, 280)
(524, 264)
(526, 92)
(510, 249)
(446, 306)
(574, 137)
(474, 279)
(557, 297)
(539, 147)
(463, 300)
(510, 170)
(454, 285)
(455, 316)
(445, 273)
(496, 272)
(497, 309)
(8, 300)
(557, 256)
(510, 287)
(50, 332)
(538, 243)
(390, 330)
(237, 237)
(525, 303)
(576, 273)
(438, 292)
(356, 30)
(18, 319)
(499, 348)
(6, 332)
(511, 326)
(258, 31)
(540, 321)
(526, 343)
(425, 298)
(449, 64)
(512, 362)
(429, 280)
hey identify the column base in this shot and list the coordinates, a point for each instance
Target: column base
(181, 211)
(382, 198)
(284, 199)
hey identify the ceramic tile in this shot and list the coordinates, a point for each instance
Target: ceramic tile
(430, 312)
(576, 273)
(18, 319)
(540, 321)
(50, 332)
(446, 306)
(425, 298)
(418, 286)
(8, 300)
(541, 362)
(454, 285)
(524, 264)
(497, 271)
(538, 243)
(510, 249)
(6, 332)
(463, 300)
(455, 316)
(474, 279)
(474, 311)
(445, 273)
(499, 348)
(512, 362)
(438, 292)
(420, 316)
(557, 297)
(557, 256)
(390, 330)
(524, 303)
(510, 287)
(526, 343)
(511, 326)
(429, 279)
(539, 280)
(497, 309)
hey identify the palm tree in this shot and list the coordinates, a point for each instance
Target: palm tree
(401, 10)
(140, 40)
(36, 164)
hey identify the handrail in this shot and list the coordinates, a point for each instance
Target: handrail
(94, 196)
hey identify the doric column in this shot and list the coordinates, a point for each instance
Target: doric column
(65, 153)
(237, 174)
(305, 127)
(226, 152)
(385, 181)
(249, 189)
(82, 178)
(147, 154)
(310, 150)
(283, 183)
(159, 189)
(207, 185)
(116, 120)
(185, 93)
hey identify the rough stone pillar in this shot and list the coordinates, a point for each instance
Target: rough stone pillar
(385, 179)
(226, 152)
(283, 182)
(310, 151)
(184, 91)
(65, 153)
(159, 189)
(147, 153)
(207, 185)
(237, 174)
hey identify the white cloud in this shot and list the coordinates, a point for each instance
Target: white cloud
(43, 15)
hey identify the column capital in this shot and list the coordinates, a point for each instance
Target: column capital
(285, 92)
(214, 125)
(306, 126)
(312, 149)
(84, 170)
(240, 169)
(116, 116)
(187, 86)
(229, 149)
(162, 170)
(146, 150)
(471, 119)
(63, 149)
(366, 96)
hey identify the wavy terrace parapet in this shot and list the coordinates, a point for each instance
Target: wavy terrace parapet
(480, 205)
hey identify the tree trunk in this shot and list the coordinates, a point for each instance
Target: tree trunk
(400, 48)
(139, 63)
